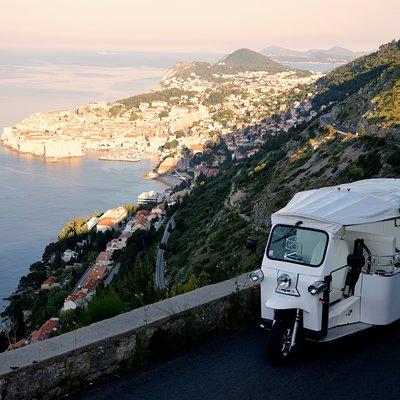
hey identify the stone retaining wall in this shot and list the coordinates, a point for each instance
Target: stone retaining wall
(68, 363)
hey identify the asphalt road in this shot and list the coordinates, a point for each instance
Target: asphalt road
(160, 260)
(327, 120)
(366, 366)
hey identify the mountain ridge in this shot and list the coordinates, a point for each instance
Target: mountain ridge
(335, 54)
(250, 60)
(240, 60)
(351, 77)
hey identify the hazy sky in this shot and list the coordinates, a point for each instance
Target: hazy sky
(196, 25)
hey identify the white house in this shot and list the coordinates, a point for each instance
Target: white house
(74, 300)
(92, 223)
(68, 255)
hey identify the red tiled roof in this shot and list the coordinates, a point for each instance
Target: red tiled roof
(142, 221)
(49, 280)
(89, 285)
(103, 256)
(44, 331)
(144, 213)
(107, 221)
(161, 206)
(75, 297)
(196, 146)
(212, 172)
(97, 273)
(19, 344)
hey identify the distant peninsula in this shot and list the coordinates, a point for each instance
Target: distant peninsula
(335, 55)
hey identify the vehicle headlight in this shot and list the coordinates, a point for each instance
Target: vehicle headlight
(284, 281)
(317, 287)
(257, 276)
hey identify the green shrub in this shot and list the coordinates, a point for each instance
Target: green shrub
(104, 306)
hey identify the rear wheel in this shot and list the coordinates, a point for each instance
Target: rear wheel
(279, 348)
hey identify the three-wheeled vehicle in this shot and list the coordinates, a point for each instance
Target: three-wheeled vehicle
(331, 265)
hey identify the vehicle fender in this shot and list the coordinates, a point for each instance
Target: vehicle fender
(280, 301)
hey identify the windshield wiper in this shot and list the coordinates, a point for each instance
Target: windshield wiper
(289, 233)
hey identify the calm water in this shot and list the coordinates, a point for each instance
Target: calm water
(313, 66)
(37, 198)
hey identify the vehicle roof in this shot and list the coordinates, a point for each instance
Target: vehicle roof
(356, 203)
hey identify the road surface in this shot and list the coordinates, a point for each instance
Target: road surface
(82, 279)
(160, 261)
(366, 366)
(327, 120)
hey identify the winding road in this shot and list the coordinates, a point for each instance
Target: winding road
(160, 261)
(327, 120)
(361, 367)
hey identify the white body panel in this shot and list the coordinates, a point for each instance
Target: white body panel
(345, 312)
(380, 300)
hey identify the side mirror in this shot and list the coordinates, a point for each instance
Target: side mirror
(251, 244)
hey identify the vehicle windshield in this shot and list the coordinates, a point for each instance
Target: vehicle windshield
(298, 245)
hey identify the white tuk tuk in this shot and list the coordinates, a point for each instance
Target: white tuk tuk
(331, 265)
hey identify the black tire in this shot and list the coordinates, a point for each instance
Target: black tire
(278, 349)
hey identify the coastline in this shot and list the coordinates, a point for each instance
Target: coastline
(98, 154)
(62, 191)
(40, 157)
(167, 179)
(121, 159)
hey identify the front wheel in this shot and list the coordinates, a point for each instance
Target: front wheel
(279, 348)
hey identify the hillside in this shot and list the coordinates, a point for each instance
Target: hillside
(278, 51)
(239, 61)
(248, 60)
(320, 161)
(160, 95)
(350, 78)
(376, 106)
(334, 55)
(213, 222)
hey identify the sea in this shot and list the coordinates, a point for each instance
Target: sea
(313, 66)
(37, 197)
